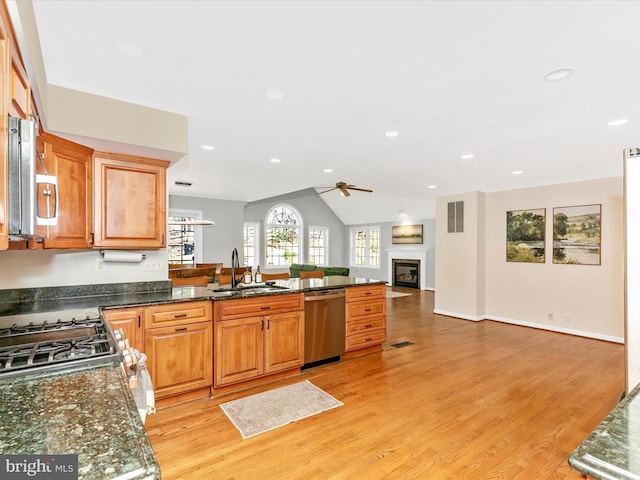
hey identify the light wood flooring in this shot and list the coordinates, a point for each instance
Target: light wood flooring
(469, 400)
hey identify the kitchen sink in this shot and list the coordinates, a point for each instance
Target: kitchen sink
(253, 290)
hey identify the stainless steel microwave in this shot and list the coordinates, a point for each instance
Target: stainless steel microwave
(32, 198)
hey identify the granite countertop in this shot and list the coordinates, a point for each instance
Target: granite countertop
(85, 411)
(612, 450)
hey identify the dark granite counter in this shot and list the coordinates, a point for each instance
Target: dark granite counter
(612, 450)
(85, 411)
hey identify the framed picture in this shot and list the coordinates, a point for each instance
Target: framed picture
(406, 234)
(576, 235)
(525, 235)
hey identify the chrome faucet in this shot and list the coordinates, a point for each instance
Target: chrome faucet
(235, 263)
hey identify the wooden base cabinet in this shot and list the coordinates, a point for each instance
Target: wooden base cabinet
(366, 319)
(130, 321)
(257, 337)
(178, 341)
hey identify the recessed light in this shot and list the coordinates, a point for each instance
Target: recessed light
(558, 74)
(431, 186)
(130, 48)
(179, 183)
(467, 156)
(275, 160)
(391, 133)
(273, 94)
(617, 123)
(208, 147)
(328, 170)
(517, 172)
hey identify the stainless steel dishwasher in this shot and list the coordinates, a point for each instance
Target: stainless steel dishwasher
(323, 326)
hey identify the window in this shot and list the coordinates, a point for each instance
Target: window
(318, 246)
(282, 236)
(365, 247)
(251, 253)
(185, 241)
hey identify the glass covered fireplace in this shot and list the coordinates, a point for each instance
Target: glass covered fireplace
(406, 273)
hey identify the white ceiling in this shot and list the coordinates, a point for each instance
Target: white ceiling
(450, 77)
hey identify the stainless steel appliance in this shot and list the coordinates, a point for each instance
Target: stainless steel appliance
(324, 328)
(32, 198)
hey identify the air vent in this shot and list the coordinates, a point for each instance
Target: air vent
(401, 344)
(183, 184)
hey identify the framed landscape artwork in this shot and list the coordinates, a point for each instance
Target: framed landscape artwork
(406, 234)
(576, 235)
(525, 235)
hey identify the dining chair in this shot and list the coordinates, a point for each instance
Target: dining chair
(202, 281)
(275, 276)
(312, 274)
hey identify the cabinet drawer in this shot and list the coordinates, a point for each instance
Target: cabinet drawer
(265, 305)
(363, 340)
(361, 309)
(179, 313)
(365, 325)
(363, 293)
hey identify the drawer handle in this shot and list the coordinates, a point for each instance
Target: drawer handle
(368, 326)
(368, 293)
(180, 315)
(367, 309)
(266, 307)
(181, 329)
(368, 339)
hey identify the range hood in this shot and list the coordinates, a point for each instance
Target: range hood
(32, 198)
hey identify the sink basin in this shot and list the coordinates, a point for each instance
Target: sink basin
(250, 290)
(229, 292)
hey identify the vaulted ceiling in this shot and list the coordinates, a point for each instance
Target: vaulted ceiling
(317, 84)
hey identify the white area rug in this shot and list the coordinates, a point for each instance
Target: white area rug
(269, 410)
(391, 294)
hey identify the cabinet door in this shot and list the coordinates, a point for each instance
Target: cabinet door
(71, 164)
(129, 202)
(4, 65)
(284, 341)
(179, 358)
(19, 88)
(129, 320)
(239, 350)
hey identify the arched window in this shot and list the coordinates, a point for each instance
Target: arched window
(283, 237)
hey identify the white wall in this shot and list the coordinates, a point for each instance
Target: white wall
(582, 299)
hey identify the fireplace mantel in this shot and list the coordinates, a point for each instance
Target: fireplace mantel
(411, 254)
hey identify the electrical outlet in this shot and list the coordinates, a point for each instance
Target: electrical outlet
(550, 317)
(153, 265)
(567, 318)
(517, 312)
(99, 264)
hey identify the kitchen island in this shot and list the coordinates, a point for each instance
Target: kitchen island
(612, 450)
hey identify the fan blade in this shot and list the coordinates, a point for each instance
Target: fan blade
(344, 191)
(359, 189)
(330, 190)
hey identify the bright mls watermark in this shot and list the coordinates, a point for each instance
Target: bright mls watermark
(49, 467)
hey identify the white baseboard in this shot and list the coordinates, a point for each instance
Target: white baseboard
(540, 326)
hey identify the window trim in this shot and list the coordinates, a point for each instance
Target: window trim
(352, 246)
(301, 236)
(258, 256)
(198, 237)
(327, 244)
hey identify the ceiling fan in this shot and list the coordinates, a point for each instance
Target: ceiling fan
(344, 189)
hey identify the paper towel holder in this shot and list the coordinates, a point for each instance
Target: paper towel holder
(142, 258)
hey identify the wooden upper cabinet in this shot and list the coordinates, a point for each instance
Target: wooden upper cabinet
(71, 164)
(19, 89)
(129, 201)
(4, 81)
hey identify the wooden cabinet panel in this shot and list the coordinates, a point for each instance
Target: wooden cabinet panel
(364, 293)
(71, 164)
(284, 341)
(177, 314)
(4, 66)
(19, 89)
(179, 358)
(129, 201)
(129, 320)
(366, 314)
(258, 306)
(239, 350)
(252, 341)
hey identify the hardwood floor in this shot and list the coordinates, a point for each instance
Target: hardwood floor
(468, 400)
